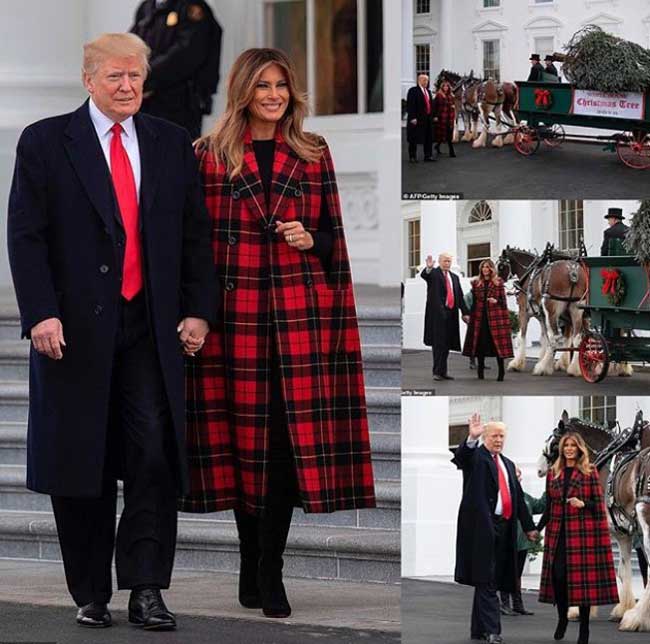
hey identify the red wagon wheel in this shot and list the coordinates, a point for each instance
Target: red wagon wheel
(633, 149)
(526, 140)
(556, 136)
(593, 357)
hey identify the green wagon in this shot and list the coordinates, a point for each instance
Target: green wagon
(618, 305)
(544, 108)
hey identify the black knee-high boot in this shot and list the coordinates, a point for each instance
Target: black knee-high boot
(249, 552)
(561, 603)
(583, 637)
(481, 367)
(273, 534)
(502, 370)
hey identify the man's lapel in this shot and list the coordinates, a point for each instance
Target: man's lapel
(151, 160)
(85, 153)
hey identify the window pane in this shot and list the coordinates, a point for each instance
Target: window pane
(491, 3)
(422, 59)
(336, 57)
(414, 246)
(571, 224)
(423, 6)
(476, 253)
(285, 24)
(374, 56)
(544, 46)
(491, 63)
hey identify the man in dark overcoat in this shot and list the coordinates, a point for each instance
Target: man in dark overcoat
(110, 252)
(185, 42)
(486, 539)
(419, 124)
(441, 326)
(549, 67)
(536, 68)
(614, 235)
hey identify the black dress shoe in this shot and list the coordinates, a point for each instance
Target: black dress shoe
(430, 159)
(506, 610)
(493, 638)
(94, 615)
(475, 636)
(522, 611)
(147, 609)
(413, 160)
(437, 377)
(446, 377)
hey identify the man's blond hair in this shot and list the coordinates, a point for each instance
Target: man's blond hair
(114, 46)
(493, 426)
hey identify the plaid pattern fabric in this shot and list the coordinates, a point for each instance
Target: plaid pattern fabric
(445, 111)
(275, 294)
(498, 320)
(590, 565)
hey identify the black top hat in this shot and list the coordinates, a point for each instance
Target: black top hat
(549, 58)
(534, 57)
(615, 212)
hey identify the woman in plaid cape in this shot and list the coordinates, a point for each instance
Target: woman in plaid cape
(276, 412)
(444, 117)
(578, 567)
(489, 332)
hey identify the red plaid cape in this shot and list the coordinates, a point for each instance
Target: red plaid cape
(498, 320)
(590, 565)
(274, 293)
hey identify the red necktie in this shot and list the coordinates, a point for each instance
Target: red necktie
(506, 501)
(449, 300)
(127, 200)
(427, 100)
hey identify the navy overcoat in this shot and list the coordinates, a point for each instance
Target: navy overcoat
(66, 248)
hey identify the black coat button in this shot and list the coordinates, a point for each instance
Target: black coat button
(298, 192)
(309, 282)
(232, 240)
(99, 309)
(235, 194)
(103, 269)
(229, 286)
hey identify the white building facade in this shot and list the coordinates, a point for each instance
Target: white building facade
(475, 230)
(40, 77)
(496, 37)
(431, 484)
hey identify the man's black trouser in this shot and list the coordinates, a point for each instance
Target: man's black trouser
(141, 436)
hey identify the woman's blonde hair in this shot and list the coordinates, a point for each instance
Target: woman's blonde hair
(114, 46)
(493, 271)
(582, 462)
(226, 141)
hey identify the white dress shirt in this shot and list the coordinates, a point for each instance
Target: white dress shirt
(103, 126)
(498, 510)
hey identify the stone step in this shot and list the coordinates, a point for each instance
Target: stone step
(15, 496)
(14, 360)
(382, 365)
(326, 553)
(380, 324)
(383, 405)
(385, 450)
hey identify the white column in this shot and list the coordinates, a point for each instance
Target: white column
(432, 488)
(389, 164)
(408, 62)
(446, 35)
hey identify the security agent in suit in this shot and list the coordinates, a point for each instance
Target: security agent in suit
(185, 42)
(614, 235)
(109, 247)
(419, 124)
(536, 69)
(441, 326)
(486, 539)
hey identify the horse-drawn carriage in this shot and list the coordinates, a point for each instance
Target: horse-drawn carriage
(617, 303)
(547, 107)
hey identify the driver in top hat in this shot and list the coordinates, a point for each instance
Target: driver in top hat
(615, 234)
(537, 69)
(550, 68)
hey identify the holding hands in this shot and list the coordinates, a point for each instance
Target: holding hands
(295, 235)
(192, 332)
(575, 502)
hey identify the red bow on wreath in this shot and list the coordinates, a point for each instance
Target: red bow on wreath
(610, 277)
(543, 98)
